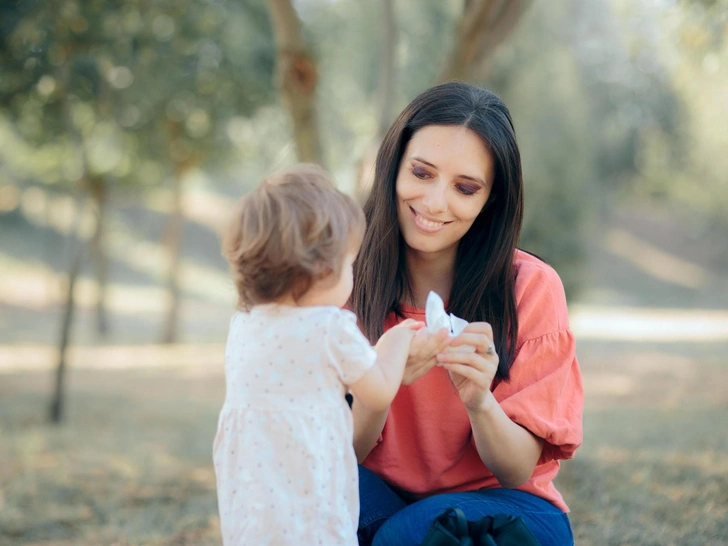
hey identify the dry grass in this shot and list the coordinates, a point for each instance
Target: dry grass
(132, 465)
(654, 466)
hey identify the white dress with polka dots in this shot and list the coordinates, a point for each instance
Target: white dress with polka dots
(285, 466)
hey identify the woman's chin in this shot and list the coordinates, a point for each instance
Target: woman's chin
(425, 245)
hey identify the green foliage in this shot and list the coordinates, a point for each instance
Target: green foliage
(685, 166)
(127, 88)
(348, 36)
(551, 111)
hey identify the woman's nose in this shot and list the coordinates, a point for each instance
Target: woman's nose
(435, 198)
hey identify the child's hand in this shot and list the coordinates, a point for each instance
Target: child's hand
(379, 385)
(411, 324)
(401, 333)
(407, 328)
(423, 352)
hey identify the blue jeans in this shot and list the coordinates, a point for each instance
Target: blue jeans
(385, 519)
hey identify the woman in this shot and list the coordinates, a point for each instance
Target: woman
(481, 430)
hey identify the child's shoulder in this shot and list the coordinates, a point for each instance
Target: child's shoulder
(292, 316)
(328, 311)
(331, 318)
(333, 321)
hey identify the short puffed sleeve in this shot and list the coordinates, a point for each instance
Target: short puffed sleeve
(544, 393)
(349, 352)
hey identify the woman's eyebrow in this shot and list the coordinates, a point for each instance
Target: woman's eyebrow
(467, 177)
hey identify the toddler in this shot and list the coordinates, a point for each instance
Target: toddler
(284, 462)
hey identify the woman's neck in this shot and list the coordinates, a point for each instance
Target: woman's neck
(430, 271)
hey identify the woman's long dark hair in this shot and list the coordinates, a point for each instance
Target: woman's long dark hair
(484, 279)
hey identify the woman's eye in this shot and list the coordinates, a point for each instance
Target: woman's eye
(467, 189)
(421, 173)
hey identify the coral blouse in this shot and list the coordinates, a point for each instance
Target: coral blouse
(427, 446)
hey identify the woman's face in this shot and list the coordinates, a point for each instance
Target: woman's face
(444, 180)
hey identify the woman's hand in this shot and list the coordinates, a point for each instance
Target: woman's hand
(423, 353)
(472, 372)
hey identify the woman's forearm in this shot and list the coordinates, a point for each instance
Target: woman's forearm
(368, 425)
(508, 450)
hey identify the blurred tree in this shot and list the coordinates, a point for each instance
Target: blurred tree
(483, 26)
(682, 166)
(384, 99)
(102, 90)
(57, 405)
(556, 135)
(197, 65)
(387, 69)
(48, 99)
(298, 78)
(54, 88)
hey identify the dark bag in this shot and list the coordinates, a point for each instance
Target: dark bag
(451, 528)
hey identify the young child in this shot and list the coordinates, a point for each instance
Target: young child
(285, 466)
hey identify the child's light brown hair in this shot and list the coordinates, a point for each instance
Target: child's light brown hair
(292, 230)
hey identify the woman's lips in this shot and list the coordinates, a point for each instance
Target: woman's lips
(425, 225)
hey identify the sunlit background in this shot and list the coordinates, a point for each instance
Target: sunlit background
(128, 128)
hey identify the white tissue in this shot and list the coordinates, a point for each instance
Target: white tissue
(436, 317)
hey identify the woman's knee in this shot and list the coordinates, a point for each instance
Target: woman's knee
(398, 532)
(409, 526)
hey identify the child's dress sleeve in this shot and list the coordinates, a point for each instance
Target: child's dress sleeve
(348, 350)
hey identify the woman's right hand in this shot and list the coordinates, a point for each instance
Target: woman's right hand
(423, 353)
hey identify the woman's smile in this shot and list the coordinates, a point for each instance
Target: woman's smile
(426, 224)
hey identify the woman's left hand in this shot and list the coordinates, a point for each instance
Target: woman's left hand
(472, 372)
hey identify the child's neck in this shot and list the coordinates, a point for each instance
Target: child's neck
(287, 300)
(309, 299)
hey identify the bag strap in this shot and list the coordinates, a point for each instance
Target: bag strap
(462, 525)
(503, 530)
(449, 529)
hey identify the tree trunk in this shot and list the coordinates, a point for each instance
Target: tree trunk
(484, 25)
(298, 77)
(56, 409)
(386, 102)
(172, 240)
(387, 69)
(99, 193)
(49, 249)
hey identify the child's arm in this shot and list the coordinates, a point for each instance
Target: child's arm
(377, 387)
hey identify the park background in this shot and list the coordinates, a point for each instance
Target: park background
(128, 128)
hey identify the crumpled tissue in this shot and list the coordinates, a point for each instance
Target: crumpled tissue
(436, 318)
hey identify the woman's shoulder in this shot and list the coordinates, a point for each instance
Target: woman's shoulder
(540, 297)
(530, 268)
